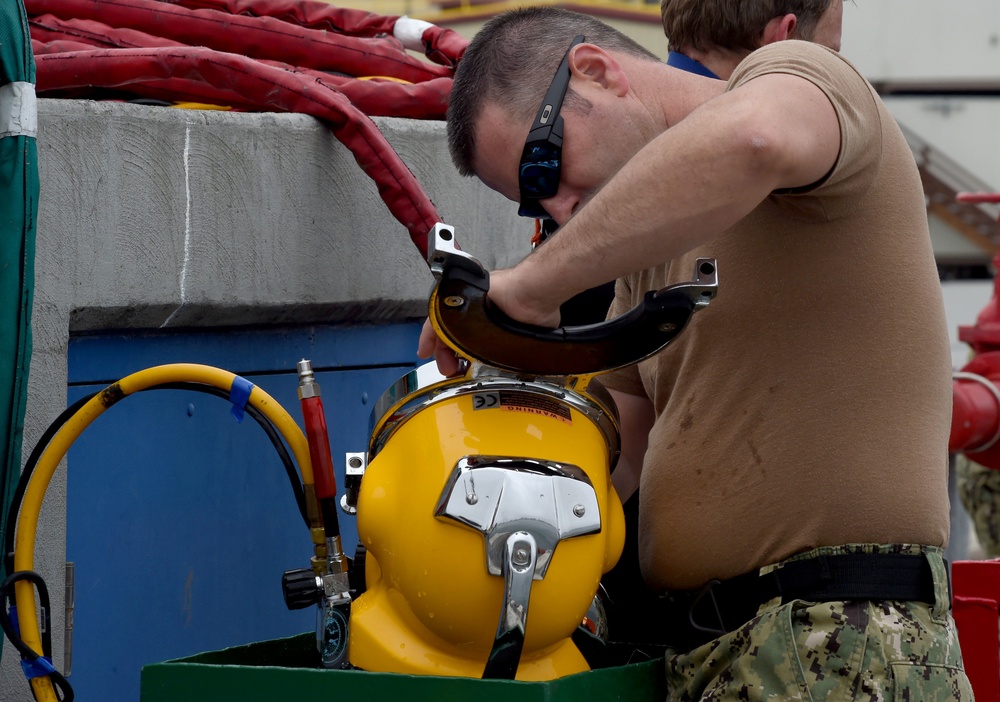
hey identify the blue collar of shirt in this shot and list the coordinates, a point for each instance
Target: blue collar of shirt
(686, 63)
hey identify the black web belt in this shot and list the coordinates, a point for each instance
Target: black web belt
(690, 618)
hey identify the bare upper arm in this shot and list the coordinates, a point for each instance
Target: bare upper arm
(790, 121)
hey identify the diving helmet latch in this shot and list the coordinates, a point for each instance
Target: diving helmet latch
(524, 508)
(443, 253)
(518, 567)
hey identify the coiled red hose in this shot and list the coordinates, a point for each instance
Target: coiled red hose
(265, 55)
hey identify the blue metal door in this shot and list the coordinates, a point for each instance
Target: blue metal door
(180, 521)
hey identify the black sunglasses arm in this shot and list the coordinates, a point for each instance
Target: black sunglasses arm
(474, 327)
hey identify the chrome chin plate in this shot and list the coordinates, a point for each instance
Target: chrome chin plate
(499, 496)
(524, 508)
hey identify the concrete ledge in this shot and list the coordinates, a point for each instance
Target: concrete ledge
(171, 218)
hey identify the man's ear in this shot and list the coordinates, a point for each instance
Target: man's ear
(779, 29)
(595, 66)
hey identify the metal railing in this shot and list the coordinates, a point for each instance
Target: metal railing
(944, 178)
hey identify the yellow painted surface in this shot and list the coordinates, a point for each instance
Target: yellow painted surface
(431, 606)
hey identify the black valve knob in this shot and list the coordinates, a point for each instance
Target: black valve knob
(301, 588)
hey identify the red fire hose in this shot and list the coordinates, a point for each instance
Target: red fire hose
(375, 97)
(440, 45)
(264, 55)
(256, 37)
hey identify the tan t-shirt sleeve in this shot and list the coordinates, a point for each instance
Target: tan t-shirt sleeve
(831, 198)
(857, 112)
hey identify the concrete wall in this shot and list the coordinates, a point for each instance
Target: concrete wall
(155, 217)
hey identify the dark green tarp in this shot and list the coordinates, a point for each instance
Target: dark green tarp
(18, 211)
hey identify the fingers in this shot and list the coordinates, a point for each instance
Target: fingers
(430, 345)
(507, 291)
(447, 362)
(428, 339)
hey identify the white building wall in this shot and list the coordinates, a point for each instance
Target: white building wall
(966, 129)
(923, 39)
(935, 43)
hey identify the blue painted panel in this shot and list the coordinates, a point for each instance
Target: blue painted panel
(181, 521)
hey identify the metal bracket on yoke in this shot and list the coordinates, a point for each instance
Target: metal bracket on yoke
(354, 470)
(464, 316)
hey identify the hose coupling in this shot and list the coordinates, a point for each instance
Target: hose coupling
(308, 387)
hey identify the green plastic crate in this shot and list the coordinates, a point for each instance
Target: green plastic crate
(283, 669)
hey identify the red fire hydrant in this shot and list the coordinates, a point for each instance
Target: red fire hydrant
(975, 422)
(975, 430)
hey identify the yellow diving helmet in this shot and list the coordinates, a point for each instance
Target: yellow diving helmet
(486, 505)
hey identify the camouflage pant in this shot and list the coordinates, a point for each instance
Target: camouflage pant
(979, 490)
(872, 651)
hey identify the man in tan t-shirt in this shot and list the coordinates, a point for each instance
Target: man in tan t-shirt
(709, 38)
(793, 440)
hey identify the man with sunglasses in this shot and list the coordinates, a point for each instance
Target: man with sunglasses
(710, 38)
(792, 442)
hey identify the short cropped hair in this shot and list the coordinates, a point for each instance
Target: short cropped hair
(733, 24)
(511, 62)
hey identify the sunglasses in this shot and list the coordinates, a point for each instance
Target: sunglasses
(541, 161)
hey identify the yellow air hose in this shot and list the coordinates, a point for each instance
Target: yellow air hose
(27, 522)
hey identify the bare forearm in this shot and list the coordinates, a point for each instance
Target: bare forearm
(670, 198)
(687, 186)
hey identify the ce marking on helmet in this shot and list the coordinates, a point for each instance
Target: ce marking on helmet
(485, 400)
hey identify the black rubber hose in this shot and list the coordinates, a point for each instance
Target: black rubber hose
(12, 635)
(29, 468)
